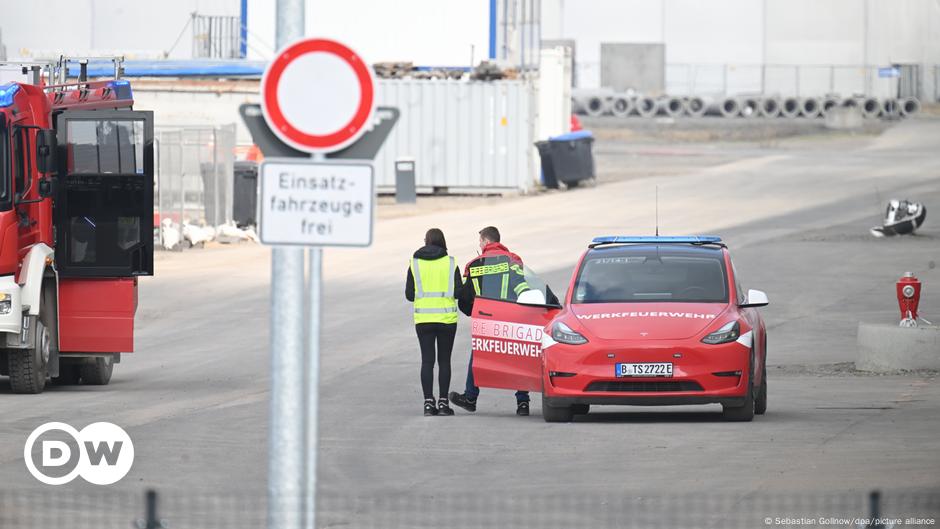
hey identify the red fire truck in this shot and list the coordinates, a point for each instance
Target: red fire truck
(76, 228)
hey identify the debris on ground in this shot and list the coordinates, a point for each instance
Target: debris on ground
(902, 217)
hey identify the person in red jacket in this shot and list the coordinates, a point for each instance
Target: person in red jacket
(496, 274)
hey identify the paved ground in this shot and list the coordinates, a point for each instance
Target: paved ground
(194, 397)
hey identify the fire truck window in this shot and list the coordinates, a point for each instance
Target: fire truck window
(109, 158)
(128, 232)
(82, 241)
(19, 177)
(82, 147)
(105, 147)
(131, 146)
(4, 150)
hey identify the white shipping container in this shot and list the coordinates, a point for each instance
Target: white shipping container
(465, 136)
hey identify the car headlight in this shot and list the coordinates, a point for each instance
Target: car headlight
(561, 333)
(727, 333)
(6, 303)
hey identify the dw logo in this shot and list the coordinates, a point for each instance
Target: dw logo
(101, 453)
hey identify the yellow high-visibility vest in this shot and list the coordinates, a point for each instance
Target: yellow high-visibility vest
(434, 290)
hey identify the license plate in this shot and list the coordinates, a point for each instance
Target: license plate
(655, 369)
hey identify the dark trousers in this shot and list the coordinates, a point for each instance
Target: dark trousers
(472, 391)
(429, 335)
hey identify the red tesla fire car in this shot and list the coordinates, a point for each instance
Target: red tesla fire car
(646, 321)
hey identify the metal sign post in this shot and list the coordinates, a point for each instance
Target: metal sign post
(285, 459)
(318, 96)
(312, 381)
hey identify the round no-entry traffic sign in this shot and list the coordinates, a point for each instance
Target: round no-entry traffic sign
(318, 95)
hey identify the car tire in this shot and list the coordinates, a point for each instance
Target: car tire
(556, 414)
(745, 412)
(581, 409)
(760, 403)
(98, 371)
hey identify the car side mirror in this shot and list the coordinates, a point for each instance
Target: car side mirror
(755, 298)
(45, 151)
(536, 298)
(531, 297)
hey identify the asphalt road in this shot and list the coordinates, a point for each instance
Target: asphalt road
(194, 397)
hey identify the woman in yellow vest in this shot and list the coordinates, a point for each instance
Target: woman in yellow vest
(433, 283)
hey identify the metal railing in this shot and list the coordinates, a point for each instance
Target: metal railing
(50, 509)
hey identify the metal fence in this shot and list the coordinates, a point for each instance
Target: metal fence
(217, 37)
(784, 79)
(465, 136)
(194, 167)
(49, 509)
(936, 83)
(789, 80)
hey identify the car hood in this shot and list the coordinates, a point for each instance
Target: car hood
(648, 321)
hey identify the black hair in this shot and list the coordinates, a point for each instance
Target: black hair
(435, 237)
(490, 233)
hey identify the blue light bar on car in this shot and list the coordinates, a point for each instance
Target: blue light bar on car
(7, 92)
(646, 239)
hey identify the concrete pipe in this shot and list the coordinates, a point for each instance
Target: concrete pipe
(646, 106)
(850, 102)
(730, 108)
(811, 107)
(770, 107)
(671, 106)
(908, 106)
(829, 102)
(621, 106)
(750, 107)
(694, 106)
(790, 108)
(596, 105)
(889, 108)
(870, 107)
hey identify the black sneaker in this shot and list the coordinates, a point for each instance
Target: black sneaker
(443, 407)
(429, 408)
(463, 401)
(522, 408)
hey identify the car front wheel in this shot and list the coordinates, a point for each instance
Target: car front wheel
(760, 405)
(556, 414)
(745, 412)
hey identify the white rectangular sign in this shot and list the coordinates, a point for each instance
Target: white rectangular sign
(307, 203)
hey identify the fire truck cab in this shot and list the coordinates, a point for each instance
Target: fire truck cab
(76, 229)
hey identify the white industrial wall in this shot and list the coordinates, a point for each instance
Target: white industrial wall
(746, 34)
(134, 28)
(425, 32)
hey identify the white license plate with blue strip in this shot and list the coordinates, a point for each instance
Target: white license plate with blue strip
(652, 369)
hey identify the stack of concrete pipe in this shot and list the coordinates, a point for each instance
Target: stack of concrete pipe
(622, 105)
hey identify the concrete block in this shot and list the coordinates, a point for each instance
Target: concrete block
(883, 347)
(844, 118)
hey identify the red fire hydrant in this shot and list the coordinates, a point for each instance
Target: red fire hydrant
(908, 288)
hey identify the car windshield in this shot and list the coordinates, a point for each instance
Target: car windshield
(634, 275)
